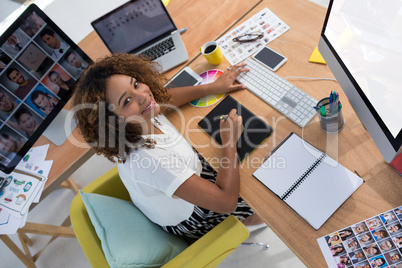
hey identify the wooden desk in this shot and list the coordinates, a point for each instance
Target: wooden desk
(205, 20)
(352, 147)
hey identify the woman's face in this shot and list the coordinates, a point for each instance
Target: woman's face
(132, 100)
(365, 238)
(7, 145)
(360, 229)
(56, 78)
(42, 101)
(371, 251)
(27, 123)
(334, 238)
(346, 233)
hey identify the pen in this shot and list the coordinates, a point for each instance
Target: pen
(223, 117)
(182, 30)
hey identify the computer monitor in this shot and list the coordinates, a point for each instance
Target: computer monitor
(39, 66)
(361, 43)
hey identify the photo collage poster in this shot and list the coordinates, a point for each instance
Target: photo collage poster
(37, 67)
(373, 243)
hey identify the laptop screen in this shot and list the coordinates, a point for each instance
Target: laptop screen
(133, 25)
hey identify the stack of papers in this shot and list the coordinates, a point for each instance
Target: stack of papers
(24, 186)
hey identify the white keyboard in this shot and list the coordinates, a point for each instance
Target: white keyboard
(291, 101)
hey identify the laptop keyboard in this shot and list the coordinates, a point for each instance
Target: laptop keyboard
(160, 49)
(288, 99)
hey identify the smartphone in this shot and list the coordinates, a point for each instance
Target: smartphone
(270, 58)
(185, 77)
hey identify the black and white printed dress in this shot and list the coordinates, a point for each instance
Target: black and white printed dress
(203, 220)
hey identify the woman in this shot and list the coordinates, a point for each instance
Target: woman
(44, 101)
(332, 240)
(337, 250)
(26, 121)
(394, 228)
(167, 180)
(360, 228)
(345, 234)
(374, 223)
(397, 240)
(63, 86)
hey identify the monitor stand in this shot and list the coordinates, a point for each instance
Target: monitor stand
(56, 132)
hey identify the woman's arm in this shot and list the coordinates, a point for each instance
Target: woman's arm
(222, 196)
(183, 95)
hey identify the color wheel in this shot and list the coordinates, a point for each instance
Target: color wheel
(208, 77)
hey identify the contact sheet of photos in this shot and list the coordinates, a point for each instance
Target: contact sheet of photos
(373, 243)
(37, 68)
(265, 22)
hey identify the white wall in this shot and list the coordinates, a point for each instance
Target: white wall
(72, 16)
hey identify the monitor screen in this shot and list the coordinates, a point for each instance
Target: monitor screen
(361, 42)
(39, 66)
(134, 24)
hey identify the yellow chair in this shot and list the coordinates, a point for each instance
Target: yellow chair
(207, 251)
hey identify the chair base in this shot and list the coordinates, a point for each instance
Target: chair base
(264, 246)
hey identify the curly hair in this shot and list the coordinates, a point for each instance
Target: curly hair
(96, 120)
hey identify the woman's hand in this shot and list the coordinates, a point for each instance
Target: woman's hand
(231, 129)
(225, 83)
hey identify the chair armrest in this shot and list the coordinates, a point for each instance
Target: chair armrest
(108, 184)
(212, 248)
(86, 234)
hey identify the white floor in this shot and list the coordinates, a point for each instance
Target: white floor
(66, 252)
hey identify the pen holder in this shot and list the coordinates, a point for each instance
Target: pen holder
(330, 123)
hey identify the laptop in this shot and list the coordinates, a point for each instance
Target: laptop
(143, 27)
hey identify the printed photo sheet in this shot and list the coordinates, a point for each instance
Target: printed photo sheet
(373, 243)
(265, 22)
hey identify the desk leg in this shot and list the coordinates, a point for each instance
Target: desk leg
(26, 239)
(66, 223)
(46, 229)
(70, 184)
(42, 229)
(27, 260)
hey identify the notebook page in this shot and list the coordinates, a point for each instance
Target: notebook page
(323, 192)
(288, 163)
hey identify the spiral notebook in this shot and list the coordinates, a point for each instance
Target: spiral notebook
(309, 181)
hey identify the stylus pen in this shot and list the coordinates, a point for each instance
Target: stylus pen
(182, 30)
(223, 117)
